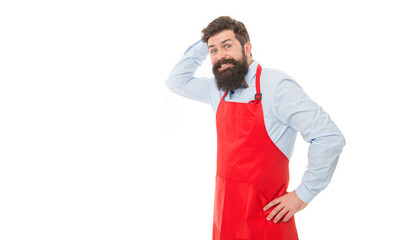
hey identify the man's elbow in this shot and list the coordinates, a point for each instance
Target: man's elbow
(343, 141)
(171, 82)
(168, 83)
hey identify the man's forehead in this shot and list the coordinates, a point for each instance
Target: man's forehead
(221, 37)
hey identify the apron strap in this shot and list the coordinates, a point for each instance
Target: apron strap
(258, 95)
(224, 95)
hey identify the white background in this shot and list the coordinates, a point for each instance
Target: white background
(93, 145)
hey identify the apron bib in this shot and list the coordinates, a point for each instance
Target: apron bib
(251, 171)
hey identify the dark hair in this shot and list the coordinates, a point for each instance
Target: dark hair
(226, 23)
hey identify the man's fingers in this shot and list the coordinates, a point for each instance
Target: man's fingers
(274, 212)
(280, 215)
(269, 205)
(288, 216)
(272, 203)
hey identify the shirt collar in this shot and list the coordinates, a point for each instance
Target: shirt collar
(249, 78)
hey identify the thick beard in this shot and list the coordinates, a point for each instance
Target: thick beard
(231, 78)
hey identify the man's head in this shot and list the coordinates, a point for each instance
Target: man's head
(230, 51)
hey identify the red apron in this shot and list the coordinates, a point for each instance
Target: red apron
(251, 171)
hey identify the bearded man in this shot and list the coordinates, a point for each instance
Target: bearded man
(258, 114)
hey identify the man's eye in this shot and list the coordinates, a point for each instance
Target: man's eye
(213, 51)
(228, 46)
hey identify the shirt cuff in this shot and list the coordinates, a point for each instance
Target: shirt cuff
(304, 193)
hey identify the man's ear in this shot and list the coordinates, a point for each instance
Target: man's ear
(247, 48)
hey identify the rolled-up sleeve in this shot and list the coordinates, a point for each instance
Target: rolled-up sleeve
(293, 107)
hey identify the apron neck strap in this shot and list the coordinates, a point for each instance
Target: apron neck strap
(258, 95)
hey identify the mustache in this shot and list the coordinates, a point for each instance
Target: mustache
(224, 61)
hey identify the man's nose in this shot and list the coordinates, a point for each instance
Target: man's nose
(221, 55)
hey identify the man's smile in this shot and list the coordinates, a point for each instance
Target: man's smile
(224, 66)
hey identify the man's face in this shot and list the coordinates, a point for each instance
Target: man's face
(229, 60)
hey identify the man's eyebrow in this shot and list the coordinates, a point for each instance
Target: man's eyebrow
(221, 42)
(226, 40)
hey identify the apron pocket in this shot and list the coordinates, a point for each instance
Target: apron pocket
(238, 209)
(256, 224)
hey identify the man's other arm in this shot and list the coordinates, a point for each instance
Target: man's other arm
(294, 108)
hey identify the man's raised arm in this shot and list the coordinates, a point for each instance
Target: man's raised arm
(182, 80)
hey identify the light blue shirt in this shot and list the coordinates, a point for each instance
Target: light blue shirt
(287, 109)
